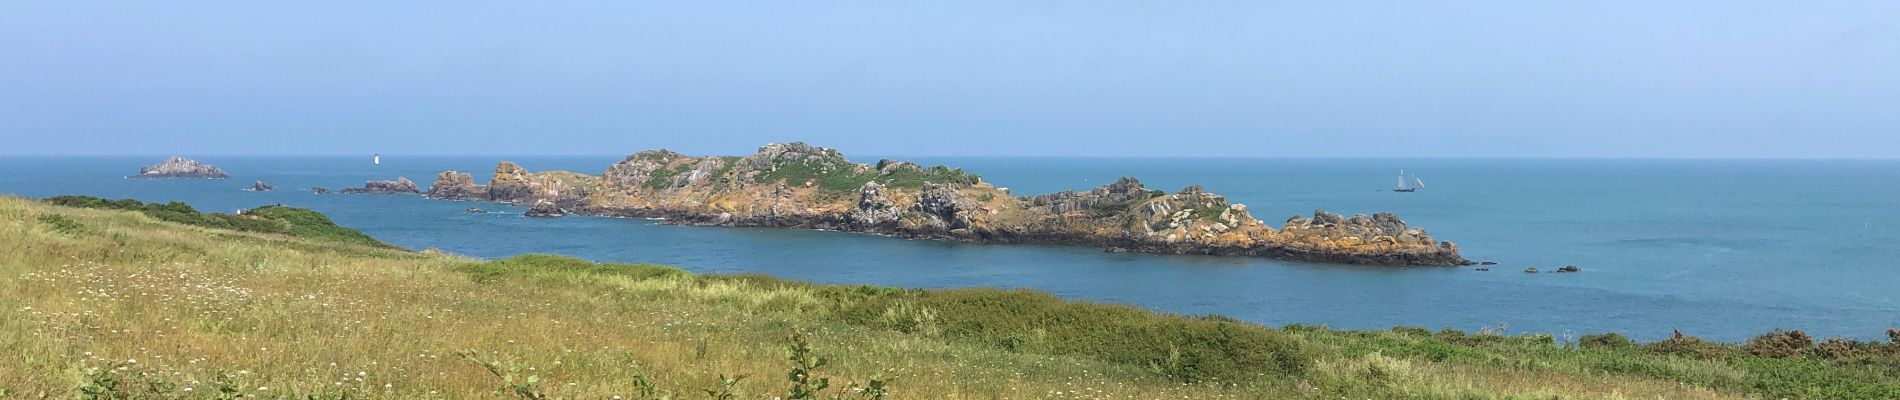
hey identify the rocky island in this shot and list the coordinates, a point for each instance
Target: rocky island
(399, 186)
(181, 168)
(795, 185)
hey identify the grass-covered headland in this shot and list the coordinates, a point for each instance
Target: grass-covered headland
(110, 299)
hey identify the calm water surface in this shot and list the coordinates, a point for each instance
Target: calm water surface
(1719, 249)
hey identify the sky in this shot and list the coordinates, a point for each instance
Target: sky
(1641, 79)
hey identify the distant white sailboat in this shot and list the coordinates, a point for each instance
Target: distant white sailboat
(376, 159)
(1405, 188)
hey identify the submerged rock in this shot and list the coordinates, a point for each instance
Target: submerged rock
(181, 168)
(399, 186)
(1488, 263)
(319, 190)
(1570, 268)
(473, 210)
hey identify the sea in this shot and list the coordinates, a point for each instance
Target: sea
(1721, 249)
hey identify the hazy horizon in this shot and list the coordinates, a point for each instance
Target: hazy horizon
(1480, 79)
(872, 158)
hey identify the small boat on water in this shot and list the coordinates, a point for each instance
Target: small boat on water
(1405, 188)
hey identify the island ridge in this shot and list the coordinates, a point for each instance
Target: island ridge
(795, 185)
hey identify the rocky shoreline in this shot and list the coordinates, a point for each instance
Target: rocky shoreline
(794, 185)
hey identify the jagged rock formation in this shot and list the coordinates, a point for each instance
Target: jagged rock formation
(260, 186)
(545, 209)
(803, 186)
(513, 184)
(453, 185)
(399, 186)
(181, 168)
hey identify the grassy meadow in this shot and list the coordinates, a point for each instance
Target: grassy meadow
(103, 300)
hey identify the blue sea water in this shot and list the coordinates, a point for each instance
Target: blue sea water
(1723, 249)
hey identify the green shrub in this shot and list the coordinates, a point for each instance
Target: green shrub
(916, 178)
(62, 224)
(1208, 212)
(830, 174)
(1109, 209)
(663, 177)
(1607, 341)
(1688, 346)
(307, 223)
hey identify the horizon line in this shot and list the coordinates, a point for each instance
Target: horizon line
(892, 156)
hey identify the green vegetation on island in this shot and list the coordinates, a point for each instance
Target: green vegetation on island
(268, 219)
(117, 299)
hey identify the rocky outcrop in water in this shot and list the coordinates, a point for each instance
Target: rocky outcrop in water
(545, 209)
(513, 184)
(398, 186)
(181, 168)
(319, 190)
(802, 186)
(260, 186)
(453, 185)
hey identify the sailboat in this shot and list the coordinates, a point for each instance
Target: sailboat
(1404, 188)
(376, 159)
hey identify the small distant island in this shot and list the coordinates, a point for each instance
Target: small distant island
(181, 168)
(399, 186)
(795, 185)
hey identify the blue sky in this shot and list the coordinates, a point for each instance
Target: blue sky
(1253, 78)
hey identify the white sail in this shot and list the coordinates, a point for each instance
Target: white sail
(1401, 179)
(1421, 183)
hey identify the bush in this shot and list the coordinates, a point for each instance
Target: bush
(303, 223)
(62, 224)
(1780, 344)
(1607, 341)
(1411, 331)
(1687, 346)
(916, 178)
(1837, 348)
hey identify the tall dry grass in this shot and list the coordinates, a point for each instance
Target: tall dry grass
(94, 298)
